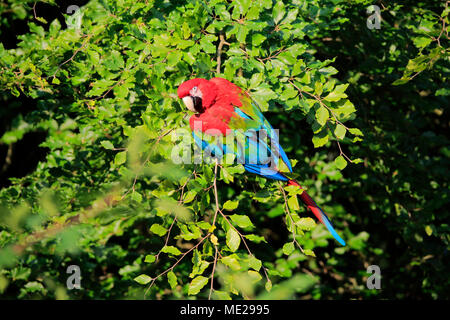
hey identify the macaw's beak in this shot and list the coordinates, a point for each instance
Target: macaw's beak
(193, 103)
(189, 103)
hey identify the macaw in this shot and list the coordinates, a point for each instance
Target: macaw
(220, 108)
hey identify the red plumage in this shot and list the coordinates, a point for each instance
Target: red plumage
(219, 96)
(308, 201)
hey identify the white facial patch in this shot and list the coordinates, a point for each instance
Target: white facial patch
(195, 92)
(189, 103)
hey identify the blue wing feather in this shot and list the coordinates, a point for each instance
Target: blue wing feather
(264, 124)
(255, 160)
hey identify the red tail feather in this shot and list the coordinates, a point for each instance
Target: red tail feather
(317, 211)
(307, 200)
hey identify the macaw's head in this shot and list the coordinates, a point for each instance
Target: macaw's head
(197, 94)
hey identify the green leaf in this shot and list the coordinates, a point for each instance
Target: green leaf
(340, 131)
(226, 175)
(355, 131)
(288, 248)
(322, 115)
(171, 249)
(230, 205)
(422, 42)
(189, 196)
(293, 203)
(358, 242)
(320, 139)
(143, 279)
(309, 252)
(256, 79)
(107, 144)
(233, 240)
(173, 58)
(149, 258)
(204, 225)
(337, 94)
(186, 31)
(120, 158)
(136, 196)
(221, 295)
(306, 223)
(158, 229)
(318, 88)
(268, 286)
(114, 60)
(172, 278)
(197, 284)
(255, 238)
(254, 276)
(290, 17)
(262, 96)
(231, 261)
(400, 81)
(340, 162)
(254, 263)
(243, 6)
(442, 92)
(207, 45)
(257, 39)
(293, 190)
(199, 268)
(34, 286)
(278, 12)
(242, 33)
(242, 221)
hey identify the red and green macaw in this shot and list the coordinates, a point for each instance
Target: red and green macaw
(222, 108)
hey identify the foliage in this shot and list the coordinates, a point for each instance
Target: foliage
(108, 197)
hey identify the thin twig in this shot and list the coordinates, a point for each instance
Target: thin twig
(286, 209)
(235, 229)
(319, 99)
(215, 192)
(175, 264)
(146, 160)
(219, 52)
(225, 217)
(271, 56)
(212, 275)
(180, 201)
(73, 55)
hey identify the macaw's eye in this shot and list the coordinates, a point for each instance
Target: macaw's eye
(194, 89)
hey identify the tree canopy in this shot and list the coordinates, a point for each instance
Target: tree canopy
(89, 124)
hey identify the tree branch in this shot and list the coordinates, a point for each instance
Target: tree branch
(219, 52)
